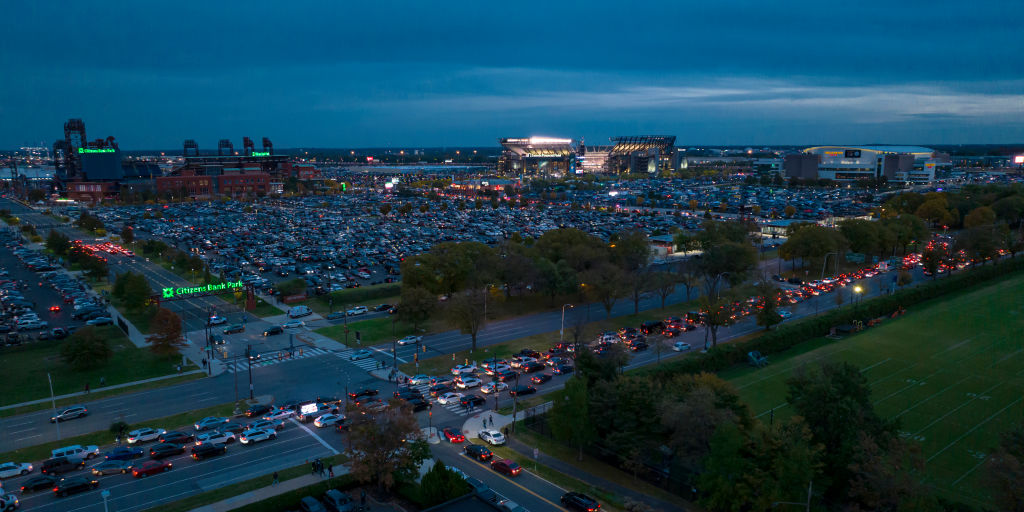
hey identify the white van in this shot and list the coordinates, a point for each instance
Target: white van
(299, 312)
(76, 452)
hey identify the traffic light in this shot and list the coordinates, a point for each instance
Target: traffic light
(416, 358)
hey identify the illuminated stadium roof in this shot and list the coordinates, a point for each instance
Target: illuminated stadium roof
(540, 147)
(627, 145)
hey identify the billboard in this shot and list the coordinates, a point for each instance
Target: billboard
(1019, 159)
(852, 153)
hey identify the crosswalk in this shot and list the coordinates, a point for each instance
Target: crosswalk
(366, 363)
(243, 366)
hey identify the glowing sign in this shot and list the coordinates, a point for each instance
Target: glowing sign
(102, 150)
(1019, 159)
(261, 153)
(170, 293)
(549, 140)
(308, 409)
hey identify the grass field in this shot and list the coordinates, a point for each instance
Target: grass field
(951, 371)
(27, 365)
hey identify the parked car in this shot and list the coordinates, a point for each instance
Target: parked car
(151, 467)
(73, 485)
(337, 501)
(506, 467)
(358, 310)
(311, 504)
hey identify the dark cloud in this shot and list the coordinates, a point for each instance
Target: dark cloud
(419, 73)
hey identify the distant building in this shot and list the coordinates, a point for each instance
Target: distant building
(801, 165)
(642, 154)
(895, 163)
(767, 166)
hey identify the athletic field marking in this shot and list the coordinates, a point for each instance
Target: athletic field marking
(911, 383)
(883, 361)
(976, 466)
(1018, 351)
(965, 434)
(957, 409)
(954, 347)
(943, 390)
(862, 370)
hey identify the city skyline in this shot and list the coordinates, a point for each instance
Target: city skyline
(399, 74)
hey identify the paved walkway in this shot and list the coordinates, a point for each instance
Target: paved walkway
(105, 388)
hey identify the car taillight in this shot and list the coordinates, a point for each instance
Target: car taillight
(55, 489)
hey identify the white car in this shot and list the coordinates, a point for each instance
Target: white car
(460, 369)
(143, 435)
(497, 368)
(449, 398)
(493, 387)
(680, 346)
(467, 382)
(217, 320)
(410, 340)
(360, 354)
(785, 314)
(518, 362)
(216, 437)
(492, 437)
(329, 419)
(9, 469)
(358, 310)
(293, 324)
(416, 380)
(8, 502)
(256, 435)
(279, 415)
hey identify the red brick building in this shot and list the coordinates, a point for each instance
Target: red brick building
(247, 184)
(184, 185)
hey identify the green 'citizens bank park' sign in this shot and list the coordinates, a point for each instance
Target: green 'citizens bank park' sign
(177, 293)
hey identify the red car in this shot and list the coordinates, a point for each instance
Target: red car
(506, 467)
(55, 308)
(151, 467)
(454, 435)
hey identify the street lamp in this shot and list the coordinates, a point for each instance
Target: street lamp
(561, 330)
(857, 290)
(105, 494)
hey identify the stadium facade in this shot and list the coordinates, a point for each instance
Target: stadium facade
(642, 154)
(911, 164)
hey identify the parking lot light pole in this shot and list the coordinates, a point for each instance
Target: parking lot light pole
(561, 330)
(248, 353)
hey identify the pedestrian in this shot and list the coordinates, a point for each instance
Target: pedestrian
(204, 362)
(275, 479)
(505, 431)
(179, 368)
(491, 416)
(117, 440)
(103, 381)
(86, 387)
(330, 470)
(312, 469)
(321, 464)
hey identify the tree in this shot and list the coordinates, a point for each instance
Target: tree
(813, 242)
(441, 484)
(935, 211)
(86, 349)
(465, 312)
(717, 314)
(58, 242)
(884, 476)
(930, 260)
(95, 268)
(904, 278)
(980, 216)
(554, 279)
(386, 447)
(295, 286)
(790, 211)
(416, 306)
(127, 234)
(733, 261)
(835, 401)
(566, 415)
(405, 209)
(166, 339)
(665, 284)
(769, 315)
(385, 209)
(691, 423)
(35, 195)
(1004, 471)
(605, 283)
(135, 290)
(862, 235)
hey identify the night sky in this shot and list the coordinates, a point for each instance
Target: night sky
(420, 74)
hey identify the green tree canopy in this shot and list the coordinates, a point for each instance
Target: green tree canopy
(86, 349)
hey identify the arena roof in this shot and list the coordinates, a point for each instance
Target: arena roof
(627, 145)
(880, 149)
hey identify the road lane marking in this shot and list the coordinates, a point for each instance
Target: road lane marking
(318, 438)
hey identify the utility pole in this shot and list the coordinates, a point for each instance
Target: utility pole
(248, 352)
(54, 402)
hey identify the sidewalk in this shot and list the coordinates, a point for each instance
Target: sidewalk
(263, 493)
(98, 390)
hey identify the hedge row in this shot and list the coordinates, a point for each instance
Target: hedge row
(789, 335)
(290, 500)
